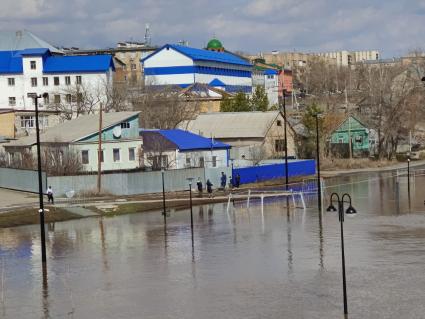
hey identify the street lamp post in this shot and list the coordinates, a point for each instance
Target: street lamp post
(164, 212)
(190, 201)
(319, 184)
(286, 141)
(40, 182)
(350, 211)
(408, 177)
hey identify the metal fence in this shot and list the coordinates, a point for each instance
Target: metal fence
(136, 182)
(21, 179)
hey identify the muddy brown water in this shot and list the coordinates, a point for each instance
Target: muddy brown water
(240, 264)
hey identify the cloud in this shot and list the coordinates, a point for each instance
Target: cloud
(392, 26)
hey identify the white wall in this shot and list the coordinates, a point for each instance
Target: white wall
(221, 158)
(93, 81)
(229, 80)
(166, 58)
(107, 147)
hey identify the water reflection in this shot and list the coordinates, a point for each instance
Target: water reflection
(230, 265)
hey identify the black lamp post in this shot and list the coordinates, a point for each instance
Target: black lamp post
(408, 177)
(319, 184)
(164, 212)
(190, 201)
(286, 141)
(350, 211)
(40, 182)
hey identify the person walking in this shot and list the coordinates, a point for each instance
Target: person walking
(223, 180)
(200, 186)
(237, 180)
(50, 195)
(209, 188)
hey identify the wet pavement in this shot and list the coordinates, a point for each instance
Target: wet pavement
(238, 264)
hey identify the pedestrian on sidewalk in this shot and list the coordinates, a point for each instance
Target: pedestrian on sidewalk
(237, 180)
(223, 180)
(50, 195)
(209, 188)
(200, 187)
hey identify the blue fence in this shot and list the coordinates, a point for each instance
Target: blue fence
(267, 172)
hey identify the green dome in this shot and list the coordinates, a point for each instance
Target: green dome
(214, 44)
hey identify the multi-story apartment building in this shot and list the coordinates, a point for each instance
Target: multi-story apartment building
(346, 58)
(38, 71)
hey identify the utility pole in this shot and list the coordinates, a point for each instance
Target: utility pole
(99, 153)
(349, 138)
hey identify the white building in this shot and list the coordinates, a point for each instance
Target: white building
(184, 66)
(39, 71)
(176, 149)
(269, 80)
(345, 58)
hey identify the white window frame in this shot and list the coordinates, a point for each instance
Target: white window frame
(12, 101)
(11, 81)
(33, 82)
(67, 80)
(119, 155)
(45, 81)
(78, 79)
(33, 65)
(82, 157)
(131, 154)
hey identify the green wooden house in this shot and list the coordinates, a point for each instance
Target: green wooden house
(361, 141)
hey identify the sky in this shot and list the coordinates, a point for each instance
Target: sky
(393, 27)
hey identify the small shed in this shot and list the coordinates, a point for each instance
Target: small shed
(360, 135)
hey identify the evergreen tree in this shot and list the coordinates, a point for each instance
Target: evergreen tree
(240, 103)
(259, 100)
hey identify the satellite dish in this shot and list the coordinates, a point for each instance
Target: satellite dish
(117, 131)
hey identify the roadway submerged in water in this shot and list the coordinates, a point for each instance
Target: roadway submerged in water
(240, 264)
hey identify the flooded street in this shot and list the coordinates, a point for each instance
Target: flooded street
(240, 264)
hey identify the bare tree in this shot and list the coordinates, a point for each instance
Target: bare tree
(163, 108)
(61, 161)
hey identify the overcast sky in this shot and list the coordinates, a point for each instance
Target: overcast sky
(391, 26)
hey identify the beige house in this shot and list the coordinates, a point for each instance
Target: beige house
(18, 123)
(254, 136)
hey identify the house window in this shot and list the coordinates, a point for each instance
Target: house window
(33, 65)
(67, 80)
(116, 154)
(279, 145)
(279, 123)
(27, 121)
(11, 81)
(101, 156)
(33, 82)
(359, 139)
(340, 140)
(125, 125)
(188, 161)
(133, 66)
(46, 99)
(68, 98)
(201, 162)
(214, 161)
(56, 81)
(132, 154)
(57, 98)
(85, 156)
(78, 79)
(79, 97)
(45, 81)
(12, 101)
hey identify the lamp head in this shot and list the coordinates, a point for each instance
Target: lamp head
(45, 95)
(331, 208)
(351, 210)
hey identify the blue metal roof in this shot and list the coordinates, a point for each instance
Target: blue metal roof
(78, 63)
(11, 62)
(188, 141)
(216, 82)
(270, 72)
(34, 52)
(203, 55)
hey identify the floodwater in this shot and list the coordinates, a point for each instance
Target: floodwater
(238, 264)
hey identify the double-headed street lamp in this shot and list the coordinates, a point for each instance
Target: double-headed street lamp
(164, 212)
(40, 183)
(349, 211)
(190, 179)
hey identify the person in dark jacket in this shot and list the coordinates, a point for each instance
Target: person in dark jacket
(237, 180)
(200, 186)
(209, 188)
(223, 180)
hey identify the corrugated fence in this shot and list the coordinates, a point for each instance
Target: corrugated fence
(268, 172)
(21, 179)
